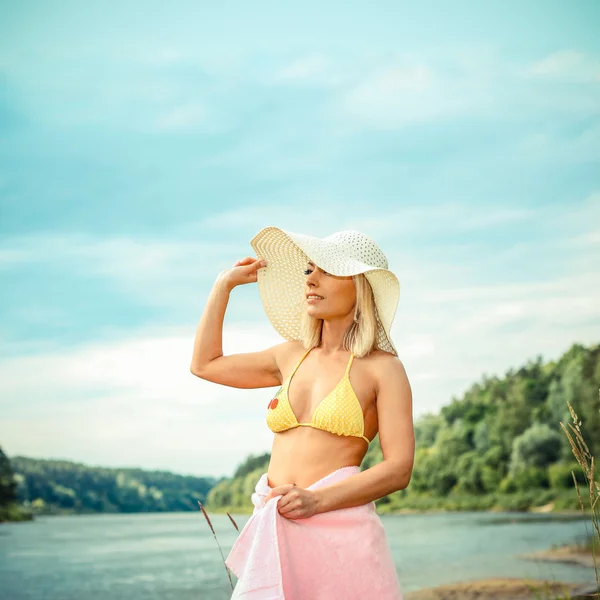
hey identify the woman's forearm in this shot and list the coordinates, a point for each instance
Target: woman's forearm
(369, 485)
(208, 344)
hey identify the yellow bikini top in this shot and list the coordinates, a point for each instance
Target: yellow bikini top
(339, 412)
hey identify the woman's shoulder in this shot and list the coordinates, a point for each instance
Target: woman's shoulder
(382, 357)
(384, 363)
(288, 352)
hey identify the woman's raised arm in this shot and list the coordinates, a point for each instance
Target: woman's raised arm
(246, 370)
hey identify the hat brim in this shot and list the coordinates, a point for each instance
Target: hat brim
(281, 283)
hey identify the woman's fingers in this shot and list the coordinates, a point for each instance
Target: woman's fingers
(245, 270)
(248, 260)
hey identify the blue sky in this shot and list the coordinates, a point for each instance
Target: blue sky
(143, 145)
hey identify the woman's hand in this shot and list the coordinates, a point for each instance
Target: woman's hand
(243, 271)
(296, 503)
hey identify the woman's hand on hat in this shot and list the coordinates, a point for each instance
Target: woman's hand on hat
(243, 271)
(296, 502)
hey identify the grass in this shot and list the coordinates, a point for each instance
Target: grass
(586, 460)
(215, 536)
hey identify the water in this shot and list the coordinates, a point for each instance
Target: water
(175, 556)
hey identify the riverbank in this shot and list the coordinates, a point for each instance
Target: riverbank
(20, 513)
(564, 504)
(534, 510)
(500, 589)
(547, 509)
(570, 554)
(519, 589)
(15, 512)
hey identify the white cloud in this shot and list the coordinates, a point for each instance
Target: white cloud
(131, 399)
(567, 66)
(448, 338)
(134, 402)
(156, 272)
(312, 68)
(184, 117)
(430, 219)
(406, 90)
(392, 96)
(591, 238)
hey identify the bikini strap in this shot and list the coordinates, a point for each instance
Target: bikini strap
(349, 364)
(299, 363)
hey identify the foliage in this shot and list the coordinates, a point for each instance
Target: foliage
(252, 463)
(537, 446)
(50, 486)
(498, 447)
(8, 484)
(10, 510)
(586, 460)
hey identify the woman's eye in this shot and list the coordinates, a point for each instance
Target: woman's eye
(309, 271)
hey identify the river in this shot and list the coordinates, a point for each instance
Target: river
(174, 556)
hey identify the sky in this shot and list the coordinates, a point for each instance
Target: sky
(142, 146)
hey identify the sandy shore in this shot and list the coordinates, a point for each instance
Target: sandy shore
(517, 589)
(497, 589)
(564, 554)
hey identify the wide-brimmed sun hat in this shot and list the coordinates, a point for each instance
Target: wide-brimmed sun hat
(282, 283)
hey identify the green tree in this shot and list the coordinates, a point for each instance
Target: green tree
(538, 446)
(8, 485)
(426, 429)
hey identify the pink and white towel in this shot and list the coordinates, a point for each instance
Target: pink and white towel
(336, 555)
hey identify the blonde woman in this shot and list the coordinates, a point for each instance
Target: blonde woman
(314, 533)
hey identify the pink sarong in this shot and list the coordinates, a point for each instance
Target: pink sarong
(338, 554)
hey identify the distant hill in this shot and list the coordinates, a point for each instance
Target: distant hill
(52, 486)
(498, 447)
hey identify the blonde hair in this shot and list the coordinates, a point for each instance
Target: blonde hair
(361, 336)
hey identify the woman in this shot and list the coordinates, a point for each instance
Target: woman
(314, 533)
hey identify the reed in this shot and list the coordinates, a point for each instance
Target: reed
(216, 539)
(586, 461)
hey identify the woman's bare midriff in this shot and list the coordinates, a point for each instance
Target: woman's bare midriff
(303, 455)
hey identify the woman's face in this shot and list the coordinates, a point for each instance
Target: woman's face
(338, 293)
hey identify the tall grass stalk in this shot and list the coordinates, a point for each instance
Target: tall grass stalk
(215, 536)
(586, 460)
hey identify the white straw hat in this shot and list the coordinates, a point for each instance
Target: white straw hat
(282, 282)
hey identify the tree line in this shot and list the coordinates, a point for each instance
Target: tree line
(499, 446)
(61, 486)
